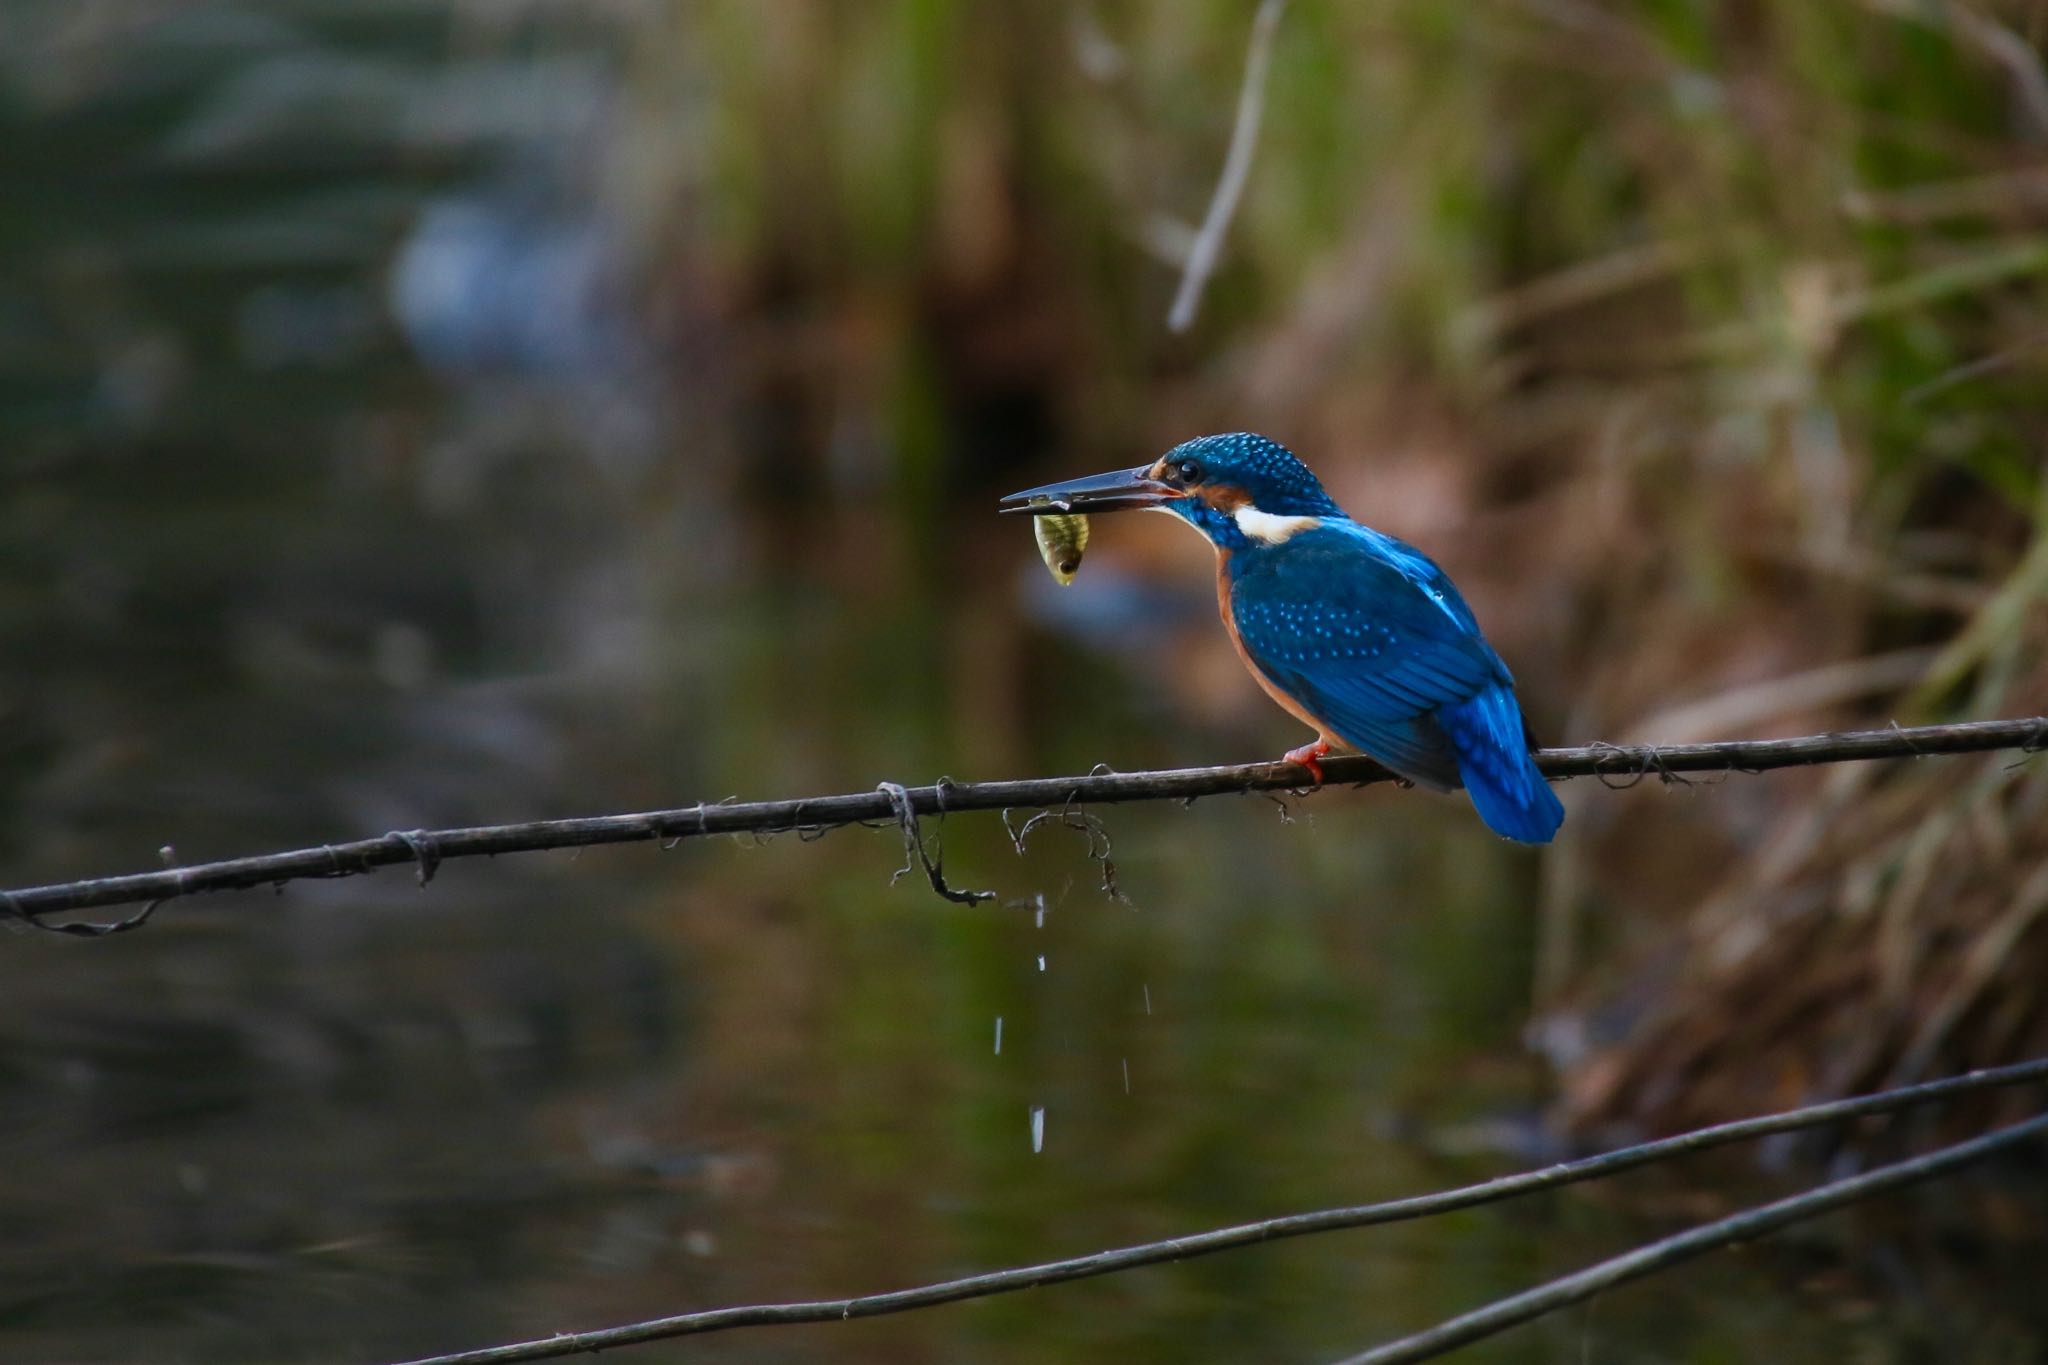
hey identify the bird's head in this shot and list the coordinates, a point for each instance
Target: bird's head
(1238, 489)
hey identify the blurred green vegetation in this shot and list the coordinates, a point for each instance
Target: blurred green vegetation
(428, 411)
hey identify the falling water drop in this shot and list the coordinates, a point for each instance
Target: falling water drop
(1041, 962)
(1037, 1127)
(999, 1035)
(1127, 1075)
(1147, 987)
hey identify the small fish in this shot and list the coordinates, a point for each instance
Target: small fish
(1062, 540)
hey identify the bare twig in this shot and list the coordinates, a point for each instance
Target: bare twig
(1237, 165)
(1502, 1314)
(1250, 1234)
(426, 849)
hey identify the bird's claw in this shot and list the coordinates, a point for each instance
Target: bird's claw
(1310, 756)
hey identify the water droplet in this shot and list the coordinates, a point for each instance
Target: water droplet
(1127, 1075)
(1037, 1127)
(1041, 962)
(1148, 997)
(999, 1035)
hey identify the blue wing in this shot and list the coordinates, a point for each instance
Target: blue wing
(1372, 639)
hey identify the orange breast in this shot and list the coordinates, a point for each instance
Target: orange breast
(1287, 702)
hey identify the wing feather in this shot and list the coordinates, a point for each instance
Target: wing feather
(1372, 645)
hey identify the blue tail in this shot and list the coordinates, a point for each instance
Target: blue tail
(1493, 758)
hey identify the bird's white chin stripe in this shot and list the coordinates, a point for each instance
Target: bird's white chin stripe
(1268, 529)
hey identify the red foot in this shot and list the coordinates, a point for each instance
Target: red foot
(1307, 756)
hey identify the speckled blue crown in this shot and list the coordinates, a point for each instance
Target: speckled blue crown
(1269, 472)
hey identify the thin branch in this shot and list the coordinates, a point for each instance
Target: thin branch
(1502, 1314)
(1237, 165)
(1246, 1234)
(427, 849)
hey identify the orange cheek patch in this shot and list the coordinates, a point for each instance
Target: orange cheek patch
(1224, 499)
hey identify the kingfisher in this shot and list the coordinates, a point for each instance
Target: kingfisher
(1357, 634)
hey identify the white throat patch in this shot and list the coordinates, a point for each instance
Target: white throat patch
(1268, 529)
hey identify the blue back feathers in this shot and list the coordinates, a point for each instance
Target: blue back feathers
(1369, 635)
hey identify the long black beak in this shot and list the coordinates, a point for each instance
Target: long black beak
(1125, 489)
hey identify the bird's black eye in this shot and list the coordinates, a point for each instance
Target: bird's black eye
(1189, 471)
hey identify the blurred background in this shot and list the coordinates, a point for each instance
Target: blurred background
(426, 412)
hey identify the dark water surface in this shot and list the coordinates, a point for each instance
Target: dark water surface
(311, 532)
